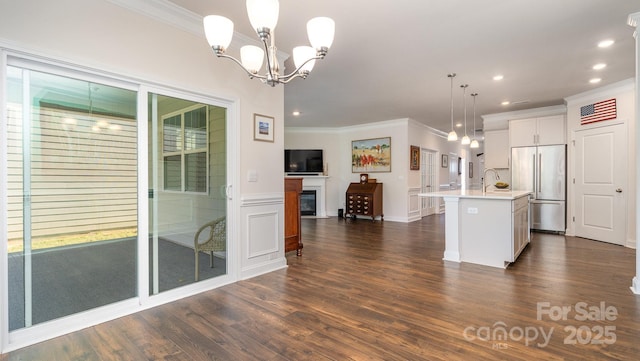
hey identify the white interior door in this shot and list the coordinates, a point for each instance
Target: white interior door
(453, 171)
(428, 182)
(600, 183)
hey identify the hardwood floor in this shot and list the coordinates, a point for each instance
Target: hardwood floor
(380, 291)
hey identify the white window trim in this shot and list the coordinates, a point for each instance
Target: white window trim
(17, 339)
(183, 152)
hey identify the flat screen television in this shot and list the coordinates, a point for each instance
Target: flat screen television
(303, 161)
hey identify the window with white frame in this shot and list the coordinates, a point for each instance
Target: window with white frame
(184, 150)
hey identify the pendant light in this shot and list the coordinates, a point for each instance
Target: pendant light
(465, 140)
(474, 142)
(453, 136)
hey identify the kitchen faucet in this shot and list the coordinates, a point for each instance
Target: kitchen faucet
(484, 178)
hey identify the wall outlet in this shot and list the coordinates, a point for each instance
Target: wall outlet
(472, 210)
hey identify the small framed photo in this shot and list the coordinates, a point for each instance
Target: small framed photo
(263, 128)
(414, 163)
(445, 161)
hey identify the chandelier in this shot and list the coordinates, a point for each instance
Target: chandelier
(263, 15)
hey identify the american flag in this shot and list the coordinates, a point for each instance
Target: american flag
(598, 112)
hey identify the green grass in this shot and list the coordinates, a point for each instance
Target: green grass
(17, 245)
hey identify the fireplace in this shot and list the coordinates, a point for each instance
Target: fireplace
(308, 203)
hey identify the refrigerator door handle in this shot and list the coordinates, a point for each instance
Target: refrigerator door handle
(539, 173)
(535, 173)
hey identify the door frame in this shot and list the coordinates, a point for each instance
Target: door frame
(10, 341)
(575, 212)
(433, 164)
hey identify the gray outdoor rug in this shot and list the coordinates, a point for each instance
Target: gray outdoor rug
(68, 280)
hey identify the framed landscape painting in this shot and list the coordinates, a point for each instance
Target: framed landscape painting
(371, 155)
(262, 128)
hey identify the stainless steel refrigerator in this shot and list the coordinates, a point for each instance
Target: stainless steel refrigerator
(542, 170)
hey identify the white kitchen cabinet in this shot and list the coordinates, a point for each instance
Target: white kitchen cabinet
(548, 130)
(496, 149)
(520, 221)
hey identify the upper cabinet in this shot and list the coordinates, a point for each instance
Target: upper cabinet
(496, 149)
(537, 131)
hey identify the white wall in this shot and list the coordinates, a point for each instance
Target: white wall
(145, 47)
(624, 93)
(394, 182)
(329, 141)
(401, 185)
(336, 143)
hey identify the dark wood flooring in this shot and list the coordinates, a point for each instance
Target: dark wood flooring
(380, 291)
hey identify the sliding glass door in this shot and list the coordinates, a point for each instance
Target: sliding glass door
(72, 195)
(79, 246)
(187, 200)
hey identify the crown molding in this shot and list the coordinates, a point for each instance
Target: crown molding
(432, 130)
(499, 121)
(314, 130)
(171, 14)
(634, 19)
(623, 86)
(166, 12)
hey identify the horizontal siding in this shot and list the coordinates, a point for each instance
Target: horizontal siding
(81, 180)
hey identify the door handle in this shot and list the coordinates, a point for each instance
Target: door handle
(539, 173)
(618, 190)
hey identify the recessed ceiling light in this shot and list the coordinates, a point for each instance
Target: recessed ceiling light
(599, 66)
(605, 43)
(506, 102)
(595, 80)
(458, 125)
(296, 113)
(498, 77)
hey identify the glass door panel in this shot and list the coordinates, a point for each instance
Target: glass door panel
(72, 202)
(187, 204)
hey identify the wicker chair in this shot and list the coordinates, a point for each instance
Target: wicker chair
(216, 240)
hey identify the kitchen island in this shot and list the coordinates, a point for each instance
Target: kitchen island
(489, 228)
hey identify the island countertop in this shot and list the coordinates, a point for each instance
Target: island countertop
(476, 193)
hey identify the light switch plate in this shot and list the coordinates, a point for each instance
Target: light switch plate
(252, 175)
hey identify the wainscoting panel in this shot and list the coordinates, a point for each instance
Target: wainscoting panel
(262, 231)
(262, 234)
(413, 202)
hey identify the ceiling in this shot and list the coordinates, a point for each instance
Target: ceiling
(390, 59)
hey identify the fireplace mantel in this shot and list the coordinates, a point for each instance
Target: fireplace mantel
(317, 183)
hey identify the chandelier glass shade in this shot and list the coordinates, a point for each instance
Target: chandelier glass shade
(453, 136)
(263, 16)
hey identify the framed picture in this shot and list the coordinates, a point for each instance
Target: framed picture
(470, 169)
(414, 156)
(371, 155)
(445, 161)
(263, 128)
